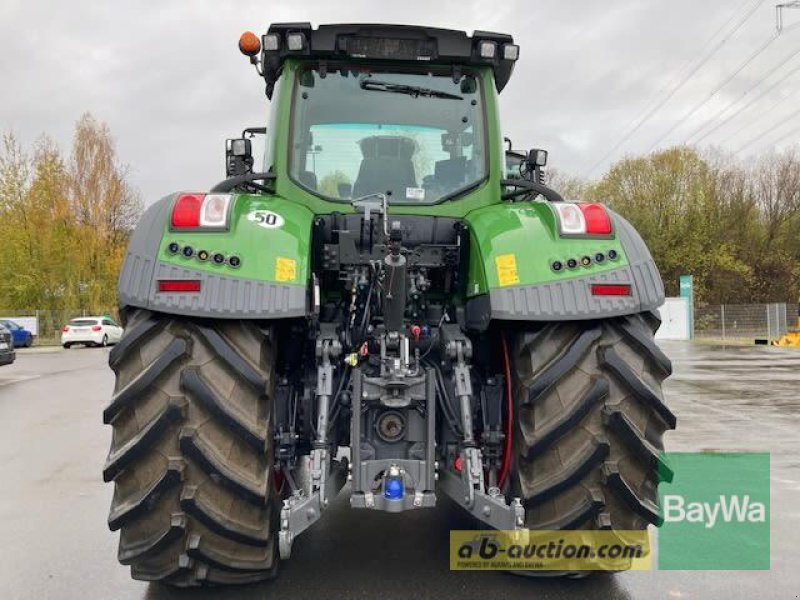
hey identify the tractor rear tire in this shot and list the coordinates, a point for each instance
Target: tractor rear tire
(590, 420)
(191, 455)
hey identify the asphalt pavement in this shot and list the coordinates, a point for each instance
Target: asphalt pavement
(53, 505)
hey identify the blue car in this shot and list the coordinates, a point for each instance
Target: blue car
(22, 337)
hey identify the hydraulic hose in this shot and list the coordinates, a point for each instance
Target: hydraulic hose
(526, 186)
(506, 464)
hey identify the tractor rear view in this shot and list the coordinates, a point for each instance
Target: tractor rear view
(378, 306)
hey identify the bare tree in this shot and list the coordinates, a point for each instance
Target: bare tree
(101, 195)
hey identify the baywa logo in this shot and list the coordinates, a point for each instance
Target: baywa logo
(727, 509)
(716, 512)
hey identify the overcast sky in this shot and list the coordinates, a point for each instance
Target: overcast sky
(168, 78)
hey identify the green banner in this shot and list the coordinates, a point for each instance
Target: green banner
(716, 512)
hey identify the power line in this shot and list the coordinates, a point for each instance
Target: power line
(685, 71)
(703, 102)
(794, 131)
(749, 124)
(764, 134)
(683, 80)
(743, 96)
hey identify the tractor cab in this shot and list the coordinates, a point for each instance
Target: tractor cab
(404, 111)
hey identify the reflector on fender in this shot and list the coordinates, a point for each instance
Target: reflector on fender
(570, 218)
(178, 285)
(610, 289)
(215, 210)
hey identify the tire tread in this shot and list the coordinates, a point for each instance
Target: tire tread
(177, 460)
(591, 419)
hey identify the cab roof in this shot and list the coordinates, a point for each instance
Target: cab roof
(387, 43)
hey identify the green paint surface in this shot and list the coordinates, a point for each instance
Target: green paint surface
(528, 231)
(259, 248)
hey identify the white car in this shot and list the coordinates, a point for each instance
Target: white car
(91, 331)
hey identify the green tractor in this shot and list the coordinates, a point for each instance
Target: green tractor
(378, 309)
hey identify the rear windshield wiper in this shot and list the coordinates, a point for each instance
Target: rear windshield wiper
(401, 88)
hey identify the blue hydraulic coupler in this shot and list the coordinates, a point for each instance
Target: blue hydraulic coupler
(393, 488)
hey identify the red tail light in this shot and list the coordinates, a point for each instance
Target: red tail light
(201, 211)
(186, 212)
(577, 219)
(66, 329)
(611, 290)
(597, 220)
(97, 328)
(178, 285)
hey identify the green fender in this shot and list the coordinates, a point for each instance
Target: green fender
(513, 250)
(269, 235)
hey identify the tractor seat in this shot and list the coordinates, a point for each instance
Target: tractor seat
(379, 175)
(386, 166)
(450, 174)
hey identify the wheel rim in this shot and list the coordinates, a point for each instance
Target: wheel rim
(105, 340)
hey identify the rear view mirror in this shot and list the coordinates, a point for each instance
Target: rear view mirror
(238, 157)
(537, 157)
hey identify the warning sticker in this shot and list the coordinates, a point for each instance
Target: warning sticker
(285, 269)
(507, 269)
(415, 193)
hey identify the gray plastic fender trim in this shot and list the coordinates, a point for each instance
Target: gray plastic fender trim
(227, 297)
(136, 276)
(220, 296)
(571, 299)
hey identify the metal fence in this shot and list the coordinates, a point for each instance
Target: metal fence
(51, 322)
(744, 321)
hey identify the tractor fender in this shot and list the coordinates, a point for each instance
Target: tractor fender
(515, 252)
(269, 236)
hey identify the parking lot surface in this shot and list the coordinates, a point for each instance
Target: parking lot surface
(53, 507)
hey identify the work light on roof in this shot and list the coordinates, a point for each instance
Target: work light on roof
(487, 49)
(510, 52)
(272, 42)
(397, 43)
(295, 41)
